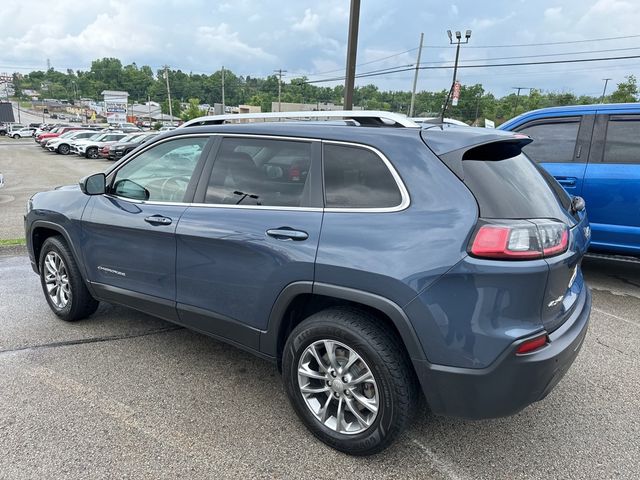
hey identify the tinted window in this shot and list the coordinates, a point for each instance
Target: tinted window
(357, 178)
(164, 171)
(252, 171)
(623, 141)
(552, 142)
(511, 188)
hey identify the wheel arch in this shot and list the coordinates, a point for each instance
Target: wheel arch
(41, 230)
(299, 300)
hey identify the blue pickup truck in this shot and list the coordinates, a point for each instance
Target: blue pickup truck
(593, 151)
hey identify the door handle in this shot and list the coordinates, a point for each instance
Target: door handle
(567, 181)
(158, 220)
(286, 233)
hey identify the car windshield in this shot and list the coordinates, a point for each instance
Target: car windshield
(95, 136)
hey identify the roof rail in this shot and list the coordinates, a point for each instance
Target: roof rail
(363, 117)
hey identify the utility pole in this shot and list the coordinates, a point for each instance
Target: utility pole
(352, 48)
(223, 109)
(166, 77)
(604, 90)
(475, 121)
(415, 77)
(280, 72)
(467, 36)
(518, 96)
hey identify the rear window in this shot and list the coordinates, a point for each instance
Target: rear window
(512, 188)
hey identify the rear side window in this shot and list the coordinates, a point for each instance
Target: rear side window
(622, 144)
(553, 142)
(256, 171)
(356, 177)
(512, 188)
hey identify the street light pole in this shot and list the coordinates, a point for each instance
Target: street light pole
(352, 48)
(459, 41)
(415, 77)
(604, 90)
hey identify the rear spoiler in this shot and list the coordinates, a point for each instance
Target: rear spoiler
(499, 147)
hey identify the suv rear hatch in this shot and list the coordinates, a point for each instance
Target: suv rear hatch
(523, 213)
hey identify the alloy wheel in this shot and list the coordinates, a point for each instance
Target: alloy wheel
(57, 280)
(338, 387)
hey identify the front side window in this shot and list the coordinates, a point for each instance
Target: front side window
(256, 171)
(162, 173)
(623, 141)
(356, 177)
(553, 142)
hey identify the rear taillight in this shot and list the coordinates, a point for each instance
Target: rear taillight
(532, 344)
(519, 239)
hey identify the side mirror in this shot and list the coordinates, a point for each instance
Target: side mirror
(94, 184)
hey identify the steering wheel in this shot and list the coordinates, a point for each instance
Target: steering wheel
(173, 188)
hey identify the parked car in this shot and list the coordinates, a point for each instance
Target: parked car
(127, 144)
(167, 129)
(594, 152)
(90, 147)
(62, 144)
(54, 132)
(21, 133)
(1, 180)
(365, 262)
(9, 128)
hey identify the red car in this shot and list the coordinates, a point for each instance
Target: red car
(43, 137)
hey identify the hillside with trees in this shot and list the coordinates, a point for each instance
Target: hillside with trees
(143, 83)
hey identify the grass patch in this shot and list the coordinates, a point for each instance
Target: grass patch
(12, 242)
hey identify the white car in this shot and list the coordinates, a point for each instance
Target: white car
(23, 132)
(1, 180)
(90, 147)
(62, 144)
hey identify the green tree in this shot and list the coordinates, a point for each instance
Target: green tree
(192, 111)
(627, 91)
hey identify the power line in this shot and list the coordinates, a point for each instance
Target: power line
(555, 43)
(489, 65)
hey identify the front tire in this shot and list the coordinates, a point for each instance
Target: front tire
(349, 380)
(63, 149)
(62, 284)
(92, 153)
(16, 136)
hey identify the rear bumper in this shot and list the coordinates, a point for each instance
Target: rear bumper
(513, 381)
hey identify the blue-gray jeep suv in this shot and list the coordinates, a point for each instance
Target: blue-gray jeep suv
(371, 260)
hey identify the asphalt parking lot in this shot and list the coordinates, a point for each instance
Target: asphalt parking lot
(124, 395)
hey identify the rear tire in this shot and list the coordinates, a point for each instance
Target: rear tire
(62, 283)
(384, 401)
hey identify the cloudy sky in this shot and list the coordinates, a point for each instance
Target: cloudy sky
(254, 37)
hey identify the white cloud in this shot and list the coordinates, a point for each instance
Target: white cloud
(308, 23)
(553, 13)
(222, 40)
